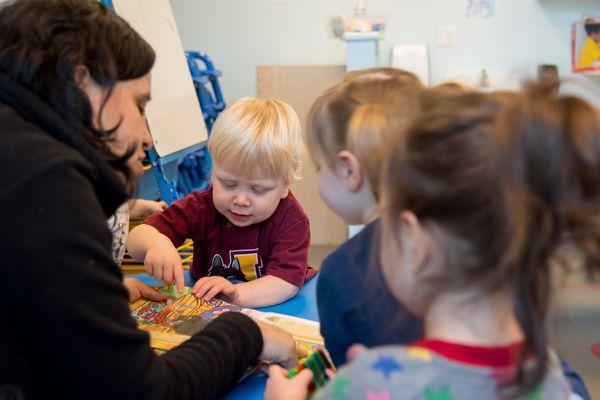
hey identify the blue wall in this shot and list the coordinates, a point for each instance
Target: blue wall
(241, 34)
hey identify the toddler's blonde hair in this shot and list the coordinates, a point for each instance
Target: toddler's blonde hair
(258, 136)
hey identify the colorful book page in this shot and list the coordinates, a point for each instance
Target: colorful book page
(173, 322)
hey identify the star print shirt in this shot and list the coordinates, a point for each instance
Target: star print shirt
(435, 370)
(277, 246)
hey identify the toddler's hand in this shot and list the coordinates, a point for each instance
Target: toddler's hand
(208, 287)
(141, 208)
(154, 206)
(164, 264)
(280, 387)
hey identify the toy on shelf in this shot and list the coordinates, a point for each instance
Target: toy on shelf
(194, 169)
(208, 90)
(356, 23)
(361, 32)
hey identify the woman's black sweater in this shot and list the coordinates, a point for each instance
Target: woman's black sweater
(65, 326)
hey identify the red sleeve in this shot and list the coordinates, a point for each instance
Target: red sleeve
(182, 219)
(289, 252)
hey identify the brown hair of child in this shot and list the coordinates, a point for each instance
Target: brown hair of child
(505, 177)
(550, 150)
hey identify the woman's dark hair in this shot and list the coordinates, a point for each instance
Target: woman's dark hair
(506, 175)
(42, 42)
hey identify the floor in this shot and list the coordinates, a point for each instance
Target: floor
(574, 322)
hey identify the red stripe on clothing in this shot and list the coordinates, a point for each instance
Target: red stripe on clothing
(504, 356)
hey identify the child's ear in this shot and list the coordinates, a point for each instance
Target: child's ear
(416, 242)
(350, 170)
(286, 190)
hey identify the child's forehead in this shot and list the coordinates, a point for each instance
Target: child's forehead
(252, 177)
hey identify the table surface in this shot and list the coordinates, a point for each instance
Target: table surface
(303, 305)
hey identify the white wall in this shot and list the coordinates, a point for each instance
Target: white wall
(240, 34)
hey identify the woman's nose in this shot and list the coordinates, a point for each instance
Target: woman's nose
(146, 136)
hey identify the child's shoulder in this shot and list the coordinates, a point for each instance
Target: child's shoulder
(358, 261)
(393, 370)
(355, 251)
(416, 372)
(288, 210)
(413, 372)
(198, 203)
(198, 198)
(202, 195)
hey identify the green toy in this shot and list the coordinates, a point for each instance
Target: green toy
(171, 290)
(318, 362)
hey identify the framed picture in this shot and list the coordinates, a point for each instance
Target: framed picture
(585, 45)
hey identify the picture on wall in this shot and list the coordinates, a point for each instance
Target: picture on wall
(479, 8)
(585, 44)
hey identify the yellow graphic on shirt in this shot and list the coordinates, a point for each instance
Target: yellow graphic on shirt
(249, 264)
(245, 265)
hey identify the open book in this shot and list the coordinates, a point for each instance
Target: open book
(171, 323)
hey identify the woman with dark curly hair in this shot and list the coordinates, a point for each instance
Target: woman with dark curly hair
(74, 82)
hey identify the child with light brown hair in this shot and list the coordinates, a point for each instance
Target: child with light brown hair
(348, 127)
(248, 226)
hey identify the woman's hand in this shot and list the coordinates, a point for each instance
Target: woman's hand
(278, 345)
(138, 289)
(279, 386)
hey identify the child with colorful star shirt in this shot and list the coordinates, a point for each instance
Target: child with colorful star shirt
(248, 227)
(475, 201)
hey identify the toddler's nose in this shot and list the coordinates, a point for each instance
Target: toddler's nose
(241, 200)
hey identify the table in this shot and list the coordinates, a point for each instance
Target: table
(303, 305)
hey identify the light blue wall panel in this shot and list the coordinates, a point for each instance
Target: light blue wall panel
(240, 34)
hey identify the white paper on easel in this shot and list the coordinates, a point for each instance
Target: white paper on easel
(174, 114)
(413, 58)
